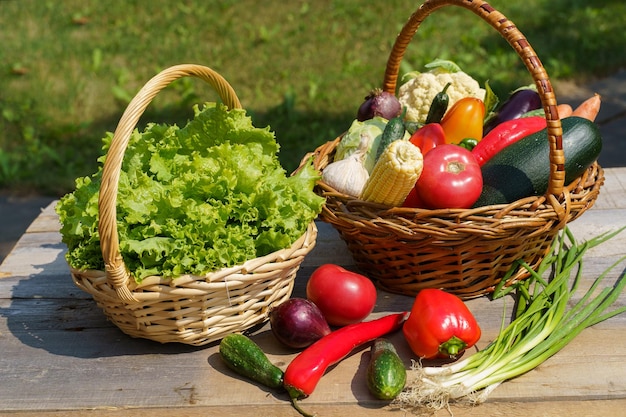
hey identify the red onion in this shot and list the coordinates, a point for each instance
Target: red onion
(298, 323)
(379, 103)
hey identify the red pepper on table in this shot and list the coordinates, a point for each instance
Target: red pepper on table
(464, 120)
(505, 134)
(440, 325)
(428, 136)
(306, 369)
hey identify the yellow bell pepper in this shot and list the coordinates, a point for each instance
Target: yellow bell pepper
(464, 120)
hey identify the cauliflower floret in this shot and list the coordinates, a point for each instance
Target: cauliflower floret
(417, 94)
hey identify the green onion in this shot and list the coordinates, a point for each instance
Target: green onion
(542, 324)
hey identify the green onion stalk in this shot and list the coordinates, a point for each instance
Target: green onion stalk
(541, 325)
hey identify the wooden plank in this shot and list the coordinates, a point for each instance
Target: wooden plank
(613, 192)
(613, 408)
(110, 369)
(36, 253)
(47, 221)
(51, 336)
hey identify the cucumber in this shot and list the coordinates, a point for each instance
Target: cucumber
(522, 169)
(394, 130)
(246, 358)
(386, 374)
(411, 126)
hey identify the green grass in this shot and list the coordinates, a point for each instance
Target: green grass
(68, 68)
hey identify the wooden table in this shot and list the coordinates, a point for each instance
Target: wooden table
(59, 355)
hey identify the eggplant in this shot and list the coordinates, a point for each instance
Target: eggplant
(518, 103)
(298, 323)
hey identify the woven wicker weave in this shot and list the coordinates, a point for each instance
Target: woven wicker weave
(466, 252)
(191, 309)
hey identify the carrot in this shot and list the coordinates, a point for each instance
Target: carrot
(589, 108)
(565, 110)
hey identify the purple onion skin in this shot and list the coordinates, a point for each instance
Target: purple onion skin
(298, 323)
(517, 104)
(379, 103)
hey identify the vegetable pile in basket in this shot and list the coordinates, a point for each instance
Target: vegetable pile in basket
(195, 199)
(548, 313)
(444, 142)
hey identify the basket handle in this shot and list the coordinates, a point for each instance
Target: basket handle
(116, 272)
(523, 48)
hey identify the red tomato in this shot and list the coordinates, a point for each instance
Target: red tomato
(343, 297)
(451, 178)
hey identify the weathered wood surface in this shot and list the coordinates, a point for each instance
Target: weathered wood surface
(59, 354)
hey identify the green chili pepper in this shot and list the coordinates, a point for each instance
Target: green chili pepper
(468, 143)
(438, 107)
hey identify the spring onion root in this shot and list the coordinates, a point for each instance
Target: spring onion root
(544, 321)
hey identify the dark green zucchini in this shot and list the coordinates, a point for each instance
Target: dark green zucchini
(386, 374)
(522, 169)
(246, 358)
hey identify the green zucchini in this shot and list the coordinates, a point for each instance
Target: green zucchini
(386, 374)
(522, 169)
(394, 130)
(246, 358)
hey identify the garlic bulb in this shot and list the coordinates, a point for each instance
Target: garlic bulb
(348, 175)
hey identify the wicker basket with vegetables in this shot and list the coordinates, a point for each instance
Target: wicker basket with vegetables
(189, 234)
(532, 170)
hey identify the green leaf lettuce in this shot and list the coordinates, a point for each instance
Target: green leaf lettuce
(194, 199)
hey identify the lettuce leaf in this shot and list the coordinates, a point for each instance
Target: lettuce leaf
(195, 199)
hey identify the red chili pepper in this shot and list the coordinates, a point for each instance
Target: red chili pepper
(428, 136)
(440, 325)
(505, 134)
(305, 371)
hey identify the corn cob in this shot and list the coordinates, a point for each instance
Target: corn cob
(394, 174)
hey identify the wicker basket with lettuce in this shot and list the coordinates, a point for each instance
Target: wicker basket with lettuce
(188, 234)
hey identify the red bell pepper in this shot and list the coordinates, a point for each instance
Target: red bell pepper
(306, 369)
(505, 134)
(413, 199)
(428, 136)
(440, 325)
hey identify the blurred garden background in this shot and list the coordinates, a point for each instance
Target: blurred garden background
(68, 68)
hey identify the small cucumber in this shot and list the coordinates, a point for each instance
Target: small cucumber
(522, 169)
(246, 358)
(386, 374)
(394, 130)
(411, 126)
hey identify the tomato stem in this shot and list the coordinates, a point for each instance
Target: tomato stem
(456, 167)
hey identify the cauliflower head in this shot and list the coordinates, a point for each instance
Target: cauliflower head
(417, 94)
